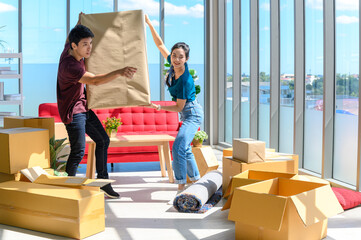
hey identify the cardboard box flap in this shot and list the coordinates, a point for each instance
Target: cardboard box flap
(316, 205)
(263, 210)
(266, 175)
(235, 183)
(71, 181)
(33, 173)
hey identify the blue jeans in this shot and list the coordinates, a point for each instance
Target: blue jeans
(87, 123)
(183, 159)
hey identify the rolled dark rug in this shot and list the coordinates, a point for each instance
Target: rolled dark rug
(194, 197)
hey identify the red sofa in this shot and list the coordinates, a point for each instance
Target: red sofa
(136, 120)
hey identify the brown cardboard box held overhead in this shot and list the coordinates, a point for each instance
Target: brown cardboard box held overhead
(249, 177)
(119, 41)
(23, 148)
(283, 164)
(70, 212)
(33, 122)
(283, 209)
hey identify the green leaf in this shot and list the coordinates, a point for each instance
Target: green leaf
(198, 89)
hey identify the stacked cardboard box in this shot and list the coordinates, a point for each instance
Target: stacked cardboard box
(33, 122)
(23, 148)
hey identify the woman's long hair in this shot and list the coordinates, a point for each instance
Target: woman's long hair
(170, 73)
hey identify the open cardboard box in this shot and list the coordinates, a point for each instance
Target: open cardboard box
(70, 212)
(283, 209)
(285, 163)
(249, 177)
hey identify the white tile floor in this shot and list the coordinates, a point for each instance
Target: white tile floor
(142, 212)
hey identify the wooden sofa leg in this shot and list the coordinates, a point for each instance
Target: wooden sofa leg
(112, 165)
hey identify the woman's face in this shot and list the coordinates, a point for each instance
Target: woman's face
(178, 58)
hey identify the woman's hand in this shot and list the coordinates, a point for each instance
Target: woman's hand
(147, 20)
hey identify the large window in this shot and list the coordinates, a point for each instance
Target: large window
(264, 71)
(313, 86)
(229, 72)
(287, 75)
(44, 34)
(245, 68)
(151, 8)
(184, 22)
(347, 92)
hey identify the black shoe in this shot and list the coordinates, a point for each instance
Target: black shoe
(109, 192)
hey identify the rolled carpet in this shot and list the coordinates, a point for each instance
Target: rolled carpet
(194, 197)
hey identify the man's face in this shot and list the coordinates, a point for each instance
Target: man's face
(84, 47)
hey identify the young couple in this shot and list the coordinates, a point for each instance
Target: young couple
(79, 120)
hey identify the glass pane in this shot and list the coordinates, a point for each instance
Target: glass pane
(87, 7)
(347, 92)
(229, 70)
(287, 49)
(44, 34)
(264, 71)
(9, 26)
(9, 44)
(314, 86)
(153, 54)
(184, 22)
(245, 67)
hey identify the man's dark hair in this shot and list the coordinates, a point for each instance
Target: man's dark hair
(182, 45)
(78, 33)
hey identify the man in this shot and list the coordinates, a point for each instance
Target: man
(72, 102)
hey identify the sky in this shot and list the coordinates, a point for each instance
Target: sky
(44, 30)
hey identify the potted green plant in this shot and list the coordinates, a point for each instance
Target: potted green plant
(192, 72)
(199, 137)
(111, 125)
(56, 146)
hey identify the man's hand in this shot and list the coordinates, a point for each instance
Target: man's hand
(127, 72)
(81, 13)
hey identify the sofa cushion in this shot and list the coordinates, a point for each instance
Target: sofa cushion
(347, 198)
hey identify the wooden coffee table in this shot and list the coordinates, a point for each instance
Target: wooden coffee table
(162, 141)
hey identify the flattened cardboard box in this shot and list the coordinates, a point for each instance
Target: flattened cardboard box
(23, 148)
(284, 164)
(119, 41)
(33, 122)
(283, 209)
(20, 177)
(249, 177)
(69, 212)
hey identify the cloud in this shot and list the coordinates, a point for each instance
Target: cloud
(266, 28)
(57, 29)
(155, 23)
(348, 5)
(346, 19)
(315, 4)
(265, 6)
(151, 7)
(6, 7)
(341, 5)
(194, 11)
(185, 22)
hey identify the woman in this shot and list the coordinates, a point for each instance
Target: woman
(181, 86)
